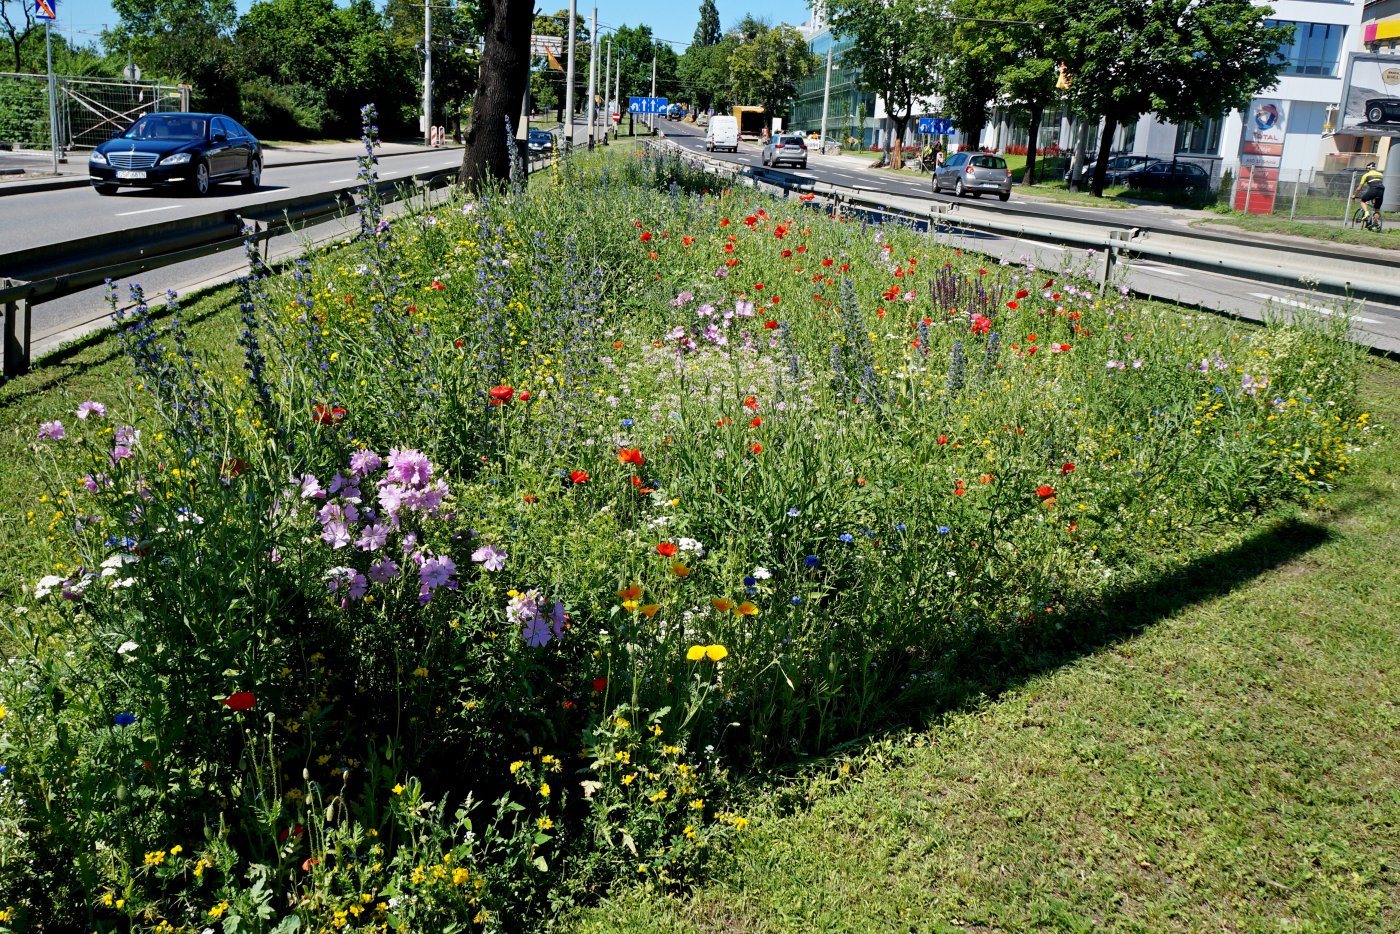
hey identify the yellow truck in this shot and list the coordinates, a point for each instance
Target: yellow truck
(751, 120)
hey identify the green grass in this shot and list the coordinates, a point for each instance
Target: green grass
(1221, 758)
(1388, 239)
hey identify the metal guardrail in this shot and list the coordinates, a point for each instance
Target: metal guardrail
(42, 274)
(1113, 241)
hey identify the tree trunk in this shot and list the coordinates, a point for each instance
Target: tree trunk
(501, 81)
(900, 124)
(1110, 123)
(1036, 112)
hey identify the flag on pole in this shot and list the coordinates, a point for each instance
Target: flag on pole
(553, 62)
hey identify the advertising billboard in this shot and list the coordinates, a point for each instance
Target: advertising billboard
(1371, 96)
(1261, 154)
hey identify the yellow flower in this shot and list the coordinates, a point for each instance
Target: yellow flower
(698, 804)
(3, 712)
(199, 868)
(722, 604)
(420, 672)
(176, 850)
(621, 723)
(629, 605)
(650, 610)
(155, 857)
(516, 766)
(628, 779)
(746, 609)
(460, 876)
(544, 823)
(397, 789)
(659, 796)
(695, 653)
(715, 652)
(544, 789)
(680, 570)
(218, 910)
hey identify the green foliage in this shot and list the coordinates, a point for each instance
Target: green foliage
(769, 66)
(185, 40)
(896, 47)
(24, 111)
(707, 31)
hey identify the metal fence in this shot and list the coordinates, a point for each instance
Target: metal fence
(1305, 195)
(89, 109)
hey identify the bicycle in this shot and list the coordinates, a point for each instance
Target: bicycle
(1361, 217)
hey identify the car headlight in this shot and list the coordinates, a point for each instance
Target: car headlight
(180, 158)
(96, 158)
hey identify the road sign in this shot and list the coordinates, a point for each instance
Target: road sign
(939, 126)
(46, 9)
(647, 105)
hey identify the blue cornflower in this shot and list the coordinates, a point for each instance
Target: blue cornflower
(627, 423)
(943, 530)
(794, 512)
(750, 582)
(124, 719)
(796, 601)
(812, 561)
(899, 528)
(847, 537)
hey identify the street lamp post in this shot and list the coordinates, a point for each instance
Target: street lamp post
(569, 79)
(826, 91)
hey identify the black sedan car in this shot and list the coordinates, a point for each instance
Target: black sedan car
(1181, 177)
(540, 142)
(192, 150)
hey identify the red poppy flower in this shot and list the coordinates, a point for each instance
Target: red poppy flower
(524, 395)
(981, 324)
(667, 549)
(758, 287)
(751, 403)
(942, 439)
(458, 342)
(786, 253)
(802, 249)
(981, 272)
(751, 221)
(1021, 293)
(1066, 469)
(723, 422)
(241, 701)
(1045, 492)
(1048, 283)
(646, 236)
(630, 456)
(438, 286)
(234, 466)
(329, 415)
(1031, 338)
(756, 448)
(687, 240)
(757, 420)
(1013, 305)
(500, 395)
(599, 684)
(828, 262)
(770, 325)
(578, 476)
(530, 498)
(724, 222)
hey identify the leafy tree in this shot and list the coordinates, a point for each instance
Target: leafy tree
(1180, 59)
(17, 19)
(635, 48)
(769, 66)
(966, 90)
(895, 47)
(707, 31)
(456, 35)
(557, 25)
(703, 72)
(501, 82)
(182, 40)
(1019, 54)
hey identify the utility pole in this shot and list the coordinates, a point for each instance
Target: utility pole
(569, 79)
(617, 95)
(826, 92)
(427, 72)
(592, 79)
(53, 96)
(653, 91)
(607, 111)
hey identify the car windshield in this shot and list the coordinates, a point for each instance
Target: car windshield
(989, 162)
(163, 127)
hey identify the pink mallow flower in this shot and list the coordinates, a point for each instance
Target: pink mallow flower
(410, 467)
(434, 573)
(51, 431)
(91, 408)
(381, 572)
(489, 558)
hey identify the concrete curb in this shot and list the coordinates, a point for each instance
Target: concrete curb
(81, 181)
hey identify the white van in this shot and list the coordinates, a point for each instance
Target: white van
(723, 133)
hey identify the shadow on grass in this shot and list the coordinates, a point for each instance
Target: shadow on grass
(993, 664)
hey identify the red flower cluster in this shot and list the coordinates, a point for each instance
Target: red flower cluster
(241, 701)
(329, 414)
(500, 395)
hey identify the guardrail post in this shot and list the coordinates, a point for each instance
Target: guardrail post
(18, 318)
(1107, 268)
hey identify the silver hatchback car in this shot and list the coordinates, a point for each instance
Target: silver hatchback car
(973, 173)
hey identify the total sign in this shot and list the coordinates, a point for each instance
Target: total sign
(1261, 154)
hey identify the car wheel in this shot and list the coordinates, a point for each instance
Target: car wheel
(1375, 115)
(254, 177)
(1005, 196)
(199, 185)
(802, 164)
(106, 189)
(959, 190)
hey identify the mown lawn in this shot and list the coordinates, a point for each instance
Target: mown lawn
(1223, 757)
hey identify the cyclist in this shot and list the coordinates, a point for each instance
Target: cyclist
(1370, 191)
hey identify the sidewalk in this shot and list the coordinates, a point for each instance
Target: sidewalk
(73, 173)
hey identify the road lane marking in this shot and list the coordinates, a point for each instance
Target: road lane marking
(1154, 269)
(1305, 306)
(168, 207)
(339, 181)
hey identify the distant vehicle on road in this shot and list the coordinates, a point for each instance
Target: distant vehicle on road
(1383, 110)
(722, 133)
(973, 173)
(540, 143)
(1181, 177)
(786, 147)
(675, 112)
(752, 121)
(194, 150)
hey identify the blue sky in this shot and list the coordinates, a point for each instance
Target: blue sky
(674, 20)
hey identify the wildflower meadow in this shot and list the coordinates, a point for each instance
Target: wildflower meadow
(518, 531)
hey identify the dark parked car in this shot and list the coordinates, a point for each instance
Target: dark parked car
(193, 150)
(1184, 177)
(972, 173)
(1383, 110)
(540, 143)
(786, 147)
(1118, 168)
